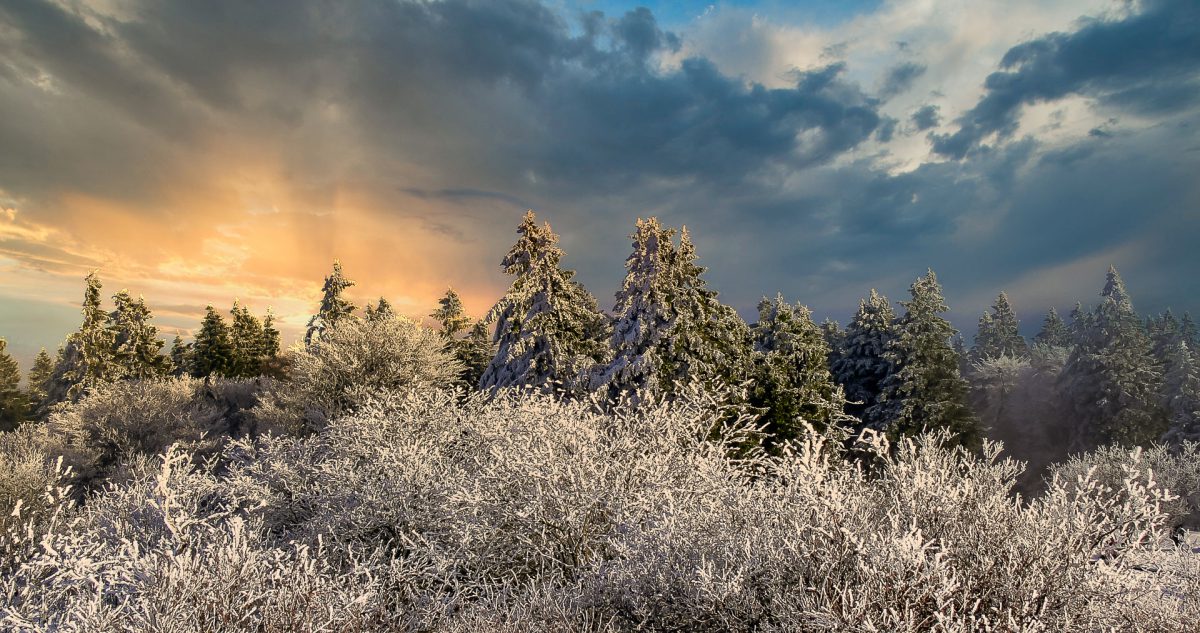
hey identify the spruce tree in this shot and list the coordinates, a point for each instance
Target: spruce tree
(86, 358)
(1181, 395)
(1111, 378)
(475, 353)
(835, 339)
(271, 344)
(181, 357)
(14, 403)
(1187, 331)
(549, 331)
(137, 350)
(862, 365)
(246, 338)
(379, 312)
(38, 380)
(926, 390)
(450, 315)
(334, 306)
(1055, 332)
(792, 380)
(212, 352)
(1165, 336)
(998, 333)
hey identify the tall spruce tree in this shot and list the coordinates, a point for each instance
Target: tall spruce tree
(334, 306)
(212, 351)
(86, 358)
(926, 390)
(1181, 395)
(863, 365)
(38, 380)
(1111, 378)
(14, 403)
(246, 338)
(998, 333)
(549, 331)
(1054, 332)
(792, 380)
(137, 350)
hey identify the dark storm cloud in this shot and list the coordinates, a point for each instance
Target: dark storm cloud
(926, 117)
(1148, 62)
(900, 78)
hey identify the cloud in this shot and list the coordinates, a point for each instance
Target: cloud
(1147, 62)
(900, 78)
(926, 117)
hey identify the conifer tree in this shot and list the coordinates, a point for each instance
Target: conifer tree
(475, 353)
(1110, 378)
(1055, 332)
(181, 357)
(38, 379)
(835, 339)
(334, 306)
(379, 312)
(212, 352)
(926, 390)
(450, 315)
(1165, 335)
(136, 346)
(271, 344)
(14, 404)
(1187, 331)
(1181, 395)
(246, 338)
(998, 333)
(86, 358)
(548, 328)
(792, 379)
(862, 365)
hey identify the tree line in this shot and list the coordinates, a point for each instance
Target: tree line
(1105, 376)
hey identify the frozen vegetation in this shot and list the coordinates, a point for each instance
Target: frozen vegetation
(664, 466)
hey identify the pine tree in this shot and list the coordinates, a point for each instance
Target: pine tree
(476, 352)
(181, 357)
(1165, 335)
(1111, 379)
(998, 333)
(1055, 332)
(136, 346)
(271, 344)
(792, 379)
(38, 379)
(334, 306)
(835, 339)
(14, 404)
(549, 331)
(1187, 331)
(212, 352)
(246, 337)
(379, 312)
(862, 365)
(1081, 323)
(1181, 395)
(450, 315)
(86, 358)
(926, 390)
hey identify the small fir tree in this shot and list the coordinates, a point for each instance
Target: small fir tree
(862, 365)
(334, 306)
(38, 380)
(137, 350)
(212, 352)
(450, 315)
(14, 403)
(246, 338)
(181, 357)
(379, 312)
(86, 358)
(1055, 332)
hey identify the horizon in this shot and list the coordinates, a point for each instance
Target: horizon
(816, 149)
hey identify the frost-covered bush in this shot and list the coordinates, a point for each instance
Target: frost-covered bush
(1176, 469)
(354, 360)
(428, 510)
(118, 420)
(31, 483)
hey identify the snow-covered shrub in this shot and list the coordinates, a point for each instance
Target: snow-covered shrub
(430, 510)
(117, 420)
(353, 360)
(32, 485)
(1175, 469)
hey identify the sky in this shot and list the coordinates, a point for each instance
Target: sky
(195, 153)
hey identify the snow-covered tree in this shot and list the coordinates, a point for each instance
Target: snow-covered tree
(549, 331)
(86, 358)
(998, 334)
(246, 337)
(379, 311)
(862, 365)
(1187, 331)
(212, 351)
(450, 315)
(1111, 378)
(334, 306)
(181, 357)
(38, 379)
(926, 390)
(137, 350)
(1181, 395)
(14, 404)
(270, 336)
(792, 382)
(1054, 332)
